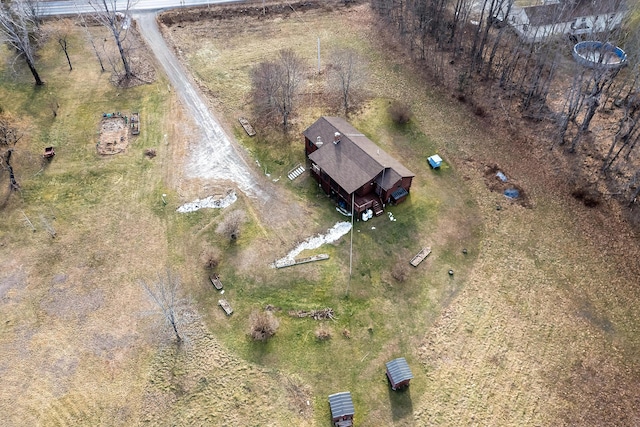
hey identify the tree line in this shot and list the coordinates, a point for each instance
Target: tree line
(21, 29)
(461, 42)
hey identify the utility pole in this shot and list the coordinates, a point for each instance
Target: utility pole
(351, 245)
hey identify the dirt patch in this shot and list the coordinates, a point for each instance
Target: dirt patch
(499, 181)
(114, 134)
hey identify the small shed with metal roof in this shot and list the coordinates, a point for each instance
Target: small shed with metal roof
(399, 373)
(342, 410)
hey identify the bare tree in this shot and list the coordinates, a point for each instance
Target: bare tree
(230, 225)
(19, 30)
(572, 105)
(165, 295)
(264, 81)
(63, 44)
(9, 137)
(118, 22)
(600, 79)
(90, 38)
(275, 85)
(347, 74)
(32, 8)
(628, 133)
(210, 257)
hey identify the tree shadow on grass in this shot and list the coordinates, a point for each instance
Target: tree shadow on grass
(259, 350)
(400, 400)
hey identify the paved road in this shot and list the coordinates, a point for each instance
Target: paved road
(214, 156)
(70, 7)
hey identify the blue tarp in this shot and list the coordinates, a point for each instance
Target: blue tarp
(512, 193)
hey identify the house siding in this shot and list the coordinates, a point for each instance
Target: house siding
(603, 18)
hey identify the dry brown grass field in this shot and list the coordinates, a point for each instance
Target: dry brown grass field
(539, 325)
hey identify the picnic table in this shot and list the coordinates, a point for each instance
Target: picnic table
(215, 281)
(420, 256)
(225, 306)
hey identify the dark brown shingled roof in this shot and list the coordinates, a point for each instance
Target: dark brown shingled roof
(355, 160)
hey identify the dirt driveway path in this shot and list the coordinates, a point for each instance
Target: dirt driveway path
(214, 157)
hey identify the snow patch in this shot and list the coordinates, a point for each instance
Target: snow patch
(209, 202)
(314, 242)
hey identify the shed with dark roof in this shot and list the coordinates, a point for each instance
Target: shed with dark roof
(399, 373)
(342, 410)
(352, 168)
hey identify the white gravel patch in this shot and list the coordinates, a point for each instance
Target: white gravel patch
(209, 202)
(314, 242)
(213, 155)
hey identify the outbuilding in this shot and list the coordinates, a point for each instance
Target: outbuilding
(435, 161)
(342, 410)
(399, 373)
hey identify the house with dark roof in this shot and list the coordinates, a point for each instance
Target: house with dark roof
(576, 18)
(353, 169)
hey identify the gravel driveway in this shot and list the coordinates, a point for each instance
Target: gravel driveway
(214, 157)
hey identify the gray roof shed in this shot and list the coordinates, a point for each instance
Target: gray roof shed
(398, 372)
(341, 407)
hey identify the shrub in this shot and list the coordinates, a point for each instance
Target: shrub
(263, 325)
(399, 273)
(590, 198)
(400, 113)
(210, 258)
(230, 225)
(323, 333)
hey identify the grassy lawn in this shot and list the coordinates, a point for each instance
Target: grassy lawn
(537, 326)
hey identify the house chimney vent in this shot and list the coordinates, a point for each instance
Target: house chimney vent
(336, 138)
(319, 142)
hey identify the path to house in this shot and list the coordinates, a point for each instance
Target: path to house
(214, 157)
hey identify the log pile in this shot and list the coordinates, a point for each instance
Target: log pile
(323, 314)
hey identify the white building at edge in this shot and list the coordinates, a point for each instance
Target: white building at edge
(557, 17)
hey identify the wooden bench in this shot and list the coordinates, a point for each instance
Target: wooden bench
(225, 306)
(215, 281)
(420, 256)
(135, 123)
(247, 126)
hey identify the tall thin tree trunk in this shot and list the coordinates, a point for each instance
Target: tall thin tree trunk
(63, 45)
(125, 61)
(13, 184)
(32, 67)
